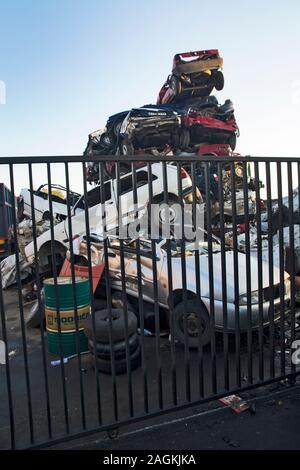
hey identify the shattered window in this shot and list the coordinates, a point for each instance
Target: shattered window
(141, 179)
(94, 196)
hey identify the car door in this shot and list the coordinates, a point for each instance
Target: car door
(146, 268)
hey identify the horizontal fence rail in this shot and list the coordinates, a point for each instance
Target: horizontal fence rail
(143, 285)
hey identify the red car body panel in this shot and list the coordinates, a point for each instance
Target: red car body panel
(217, 150)
(165, 94)
(193, 119)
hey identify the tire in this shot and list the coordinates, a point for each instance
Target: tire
(195, 308)
(117, 302)
(172, 217)
(119, 348)
(118, 325)
(100, 304)
(126, 147)
(219, 80)
(159, 226)
(46, 215)
(104, 365)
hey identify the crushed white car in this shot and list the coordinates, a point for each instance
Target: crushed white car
(118, 210)
(41, 202)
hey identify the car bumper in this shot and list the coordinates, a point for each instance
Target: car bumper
(259, 315)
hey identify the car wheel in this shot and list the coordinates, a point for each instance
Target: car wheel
(119, 348)
(46, 215)
(99, 304)
(104, 365)
(219, 80)
(118, 325)
(126, 147)
(196, 315)
(162, 215)
(168, 214)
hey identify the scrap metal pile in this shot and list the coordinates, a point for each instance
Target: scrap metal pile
(186, 117)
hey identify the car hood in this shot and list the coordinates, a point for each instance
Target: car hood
(217, 274)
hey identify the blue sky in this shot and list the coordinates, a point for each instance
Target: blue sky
(69, 64)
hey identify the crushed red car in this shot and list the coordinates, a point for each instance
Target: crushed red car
(193, 74)
(209, 130)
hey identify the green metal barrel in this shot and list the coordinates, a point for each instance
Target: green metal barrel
(68, 343)
(67, 314)
(65, 293)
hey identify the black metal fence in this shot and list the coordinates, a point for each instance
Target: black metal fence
(200, 318)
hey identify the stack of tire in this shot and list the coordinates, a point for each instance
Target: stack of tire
(102, 348)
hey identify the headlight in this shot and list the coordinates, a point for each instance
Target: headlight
(253, 297)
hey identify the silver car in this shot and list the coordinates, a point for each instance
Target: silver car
(196, 310)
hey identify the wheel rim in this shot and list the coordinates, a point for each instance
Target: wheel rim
(192, 320)
(163, 215)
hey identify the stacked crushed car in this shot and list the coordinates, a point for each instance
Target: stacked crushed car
(186, 117)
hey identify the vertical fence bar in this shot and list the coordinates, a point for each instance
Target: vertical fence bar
(260, 279)
(41, 315)
(155, 293)
(140, 291)
(271, 270)
(236, 277)
(108, 293)
(124, 296)
(171, 299)
(7, 369)
(291, 255)
(248, 275)
(54, 272)
(195, 206)
(69, 219)
(90, 272)
(224, 277)
(211, 280)
(184, 289)
(281, 269)
(22, 321)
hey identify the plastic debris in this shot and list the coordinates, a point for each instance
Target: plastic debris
(12, 353)
(236, 403)
(65, 360)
